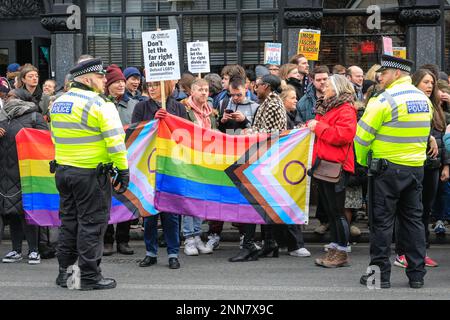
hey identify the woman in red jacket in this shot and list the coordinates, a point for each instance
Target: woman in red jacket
(335, 128)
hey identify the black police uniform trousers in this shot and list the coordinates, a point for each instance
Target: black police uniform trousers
(85, 203)
(397, 195)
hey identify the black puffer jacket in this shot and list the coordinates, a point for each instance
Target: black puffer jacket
(20, 115)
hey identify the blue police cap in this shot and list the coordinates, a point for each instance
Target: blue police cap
(88, 66)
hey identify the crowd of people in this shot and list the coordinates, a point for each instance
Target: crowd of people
(268, 98)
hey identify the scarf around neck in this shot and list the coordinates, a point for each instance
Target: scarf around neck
(202, 113)
(324, 105)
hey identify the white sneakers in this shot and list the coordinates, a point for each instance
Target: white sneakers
(192, 247)
(34, 258)
(213, 241)
(13, 256)
(302, 252)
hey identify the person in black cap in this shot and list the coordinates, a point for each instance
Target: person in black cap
(391, 140)
(89, 142)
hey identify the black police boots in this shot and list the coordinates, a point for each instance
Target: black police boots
(383, 284)
(104, 283)
(63, 275)
(416, 284)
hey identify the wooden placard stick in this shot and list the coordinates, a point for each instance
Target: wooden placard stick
(163, 89)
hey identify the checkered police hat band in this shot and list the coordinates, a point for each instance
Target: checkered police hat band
(92, 69)
(395, 65)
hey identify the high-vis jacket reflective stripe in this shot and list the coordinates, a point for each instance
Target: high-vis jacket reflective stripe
(396, 126)
(87, 131)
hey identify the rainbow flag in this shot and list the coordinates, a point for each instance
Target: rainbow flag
(40, 196)
(249, 179)
(141, 146)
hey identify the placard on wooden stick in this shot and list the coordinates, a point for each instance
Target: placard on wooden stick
(198, 57)
(161, 58)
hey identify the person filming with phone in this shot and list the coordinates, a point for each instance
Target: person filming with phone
(238, 113)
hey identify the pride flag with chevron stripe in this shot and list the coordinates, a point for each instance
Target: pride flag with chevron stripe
(178, 167)
(249, 179)
(40, 196)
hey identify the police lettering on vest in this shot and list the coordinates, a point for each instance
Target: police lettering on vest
(87, 130)
(62, 107)
(396, 125)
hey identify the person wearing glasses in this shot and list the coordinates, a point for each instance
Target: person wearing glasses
(234, 117)
(273, 69)
(238, 113)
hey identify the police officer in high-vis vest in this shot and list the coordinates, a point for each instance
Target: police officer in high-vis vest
(391, 140)
(89, 143)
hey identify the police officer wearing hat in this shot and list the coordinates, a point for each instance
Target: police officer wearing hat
(89, 143)
(391, 140)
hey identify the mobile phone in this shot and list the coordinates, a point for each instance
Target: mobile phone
(229, 111)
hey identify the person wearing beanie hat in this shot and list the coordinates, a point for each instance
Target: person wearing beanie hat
(116, 80)
(115, 88)
(133, 81)
(12, 71)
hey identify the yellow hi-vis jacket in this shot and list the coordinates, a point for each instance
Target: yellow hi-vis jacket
(86, 131)
(396, 125)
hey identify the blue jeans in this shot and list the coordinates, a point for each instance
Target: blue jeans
(170, 225)
(192, 226)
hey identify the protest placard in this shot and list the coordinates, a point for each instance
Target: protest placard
(272, 53)
(309, 44)
(387, 46)
(198, 57)
(399, 52)
(161, 55)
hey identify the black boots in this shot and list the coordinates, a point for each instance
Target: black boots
(102, 284)
(270, 247)
(246, 254)
(148, 261)
(174, 263)
(124, 248)
(63, 275)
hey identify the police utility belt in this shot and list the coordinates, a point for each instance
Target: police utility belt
(101, 170)
(377, 166)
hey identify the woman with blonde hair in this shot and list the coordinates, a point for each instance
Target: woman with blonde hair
(335, 129)
(146, 111)
(372, 75)
(290, 75)
(289, 97)
(291, 236)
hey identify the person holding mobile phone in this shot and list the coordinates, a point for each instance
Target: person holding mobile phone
(235, 115)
